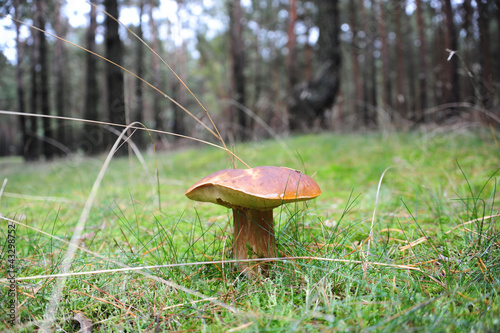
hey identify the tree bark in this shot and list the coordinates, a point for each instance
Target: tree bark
(178, 91)
(49, 148)
(156, 69)
(312, 99)
(92, 140)
(483, 22)
(139, 136)
(291, 57)
(237, 67)
(114, 75)
(423, 73)
(19, 84)
(358, 99)
(387, 86)
(452, 84)
(399, 7)
(60, 84)
(33, 145)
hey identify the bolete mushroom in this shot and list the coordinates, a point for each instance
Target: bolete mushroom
(252, 194)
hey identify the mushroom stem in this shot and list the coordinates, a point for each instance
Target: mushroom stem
(253, 236)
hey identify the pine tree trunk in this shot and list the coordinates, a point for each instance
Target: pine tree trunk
(399, 7)
(114, 75)
(139, 136)
(19, 84)
(156, 69)
(452, 83)
(357, 77)
(92, 138)
(311, 100)
(60, 84)
(483, 22)
(33, 145)
(48, 131)
(423, 73)
(291, 57)
(386, 78)
(237, 67)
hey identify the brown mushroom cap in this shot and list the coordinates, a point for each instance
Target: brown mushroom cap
(261, 188)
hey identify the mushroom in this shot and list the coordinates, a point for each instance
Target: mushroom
(252, 194)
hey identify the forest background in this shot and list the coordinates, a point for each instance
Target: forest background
(261, 68)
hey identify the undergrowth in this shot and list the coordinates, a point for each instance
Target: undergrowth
(432, 263)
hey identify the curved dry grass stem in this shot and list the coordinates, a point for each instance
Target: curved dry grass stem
(216, 134)
(97, 122)
(54, 300)
(370, 237)
(124, 266)
(219, 136)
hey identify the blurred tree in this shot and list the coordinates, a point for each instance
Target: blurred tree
(386, 76)
(451, 86)
(139, 136)
(114, 75)
(60, 78)
(33, 144)
(19, 83)
(399, 10)
(158, 123)
(423, 71)
(312, 99)
(357, 77)
(237, 68)
(92, 140)
(483, 23)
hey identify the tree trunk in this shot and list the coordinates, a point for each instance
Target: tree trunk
(452, 83)
(139, 136)
(399, 7)
(311, 100)
(49, 148)
(469, 50)
(371, 116)
(423, 73)
(237, 68)
(483, 22)
(60, 85)
(114, 75)
(357, 77)
(387, 86)
(291, 64)
(33, 145)
(156, 69)
(92, 140)
(19, 84)
(179, 92)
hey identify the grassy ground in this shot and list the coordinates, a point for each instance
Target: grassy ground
(435, 229)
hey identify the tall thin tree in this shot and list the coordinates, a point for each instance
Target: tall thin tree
(33, 144)
(114, 75)
(483, 23)
(423, 72)
(19, 82)
(399, 7)
(92, 140)
(60, 78)
(155, 67)
(237, 67)
(452, 83)
(387, 83)
(49, 147)
(139, 137)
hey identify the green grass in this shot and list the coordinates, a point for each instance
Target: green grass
(437, 181)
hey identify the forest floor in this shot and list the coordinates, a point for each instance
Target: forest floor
(430, 201)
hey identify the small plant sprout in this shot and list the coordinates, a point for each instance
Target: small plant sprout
(252, 194)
